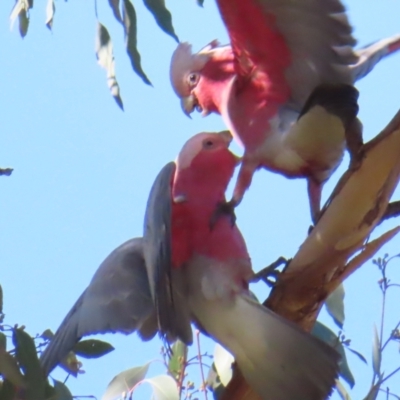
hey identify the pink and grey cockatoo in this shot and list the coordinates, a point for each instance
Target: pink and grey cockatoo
(280, 52)
(183, 272)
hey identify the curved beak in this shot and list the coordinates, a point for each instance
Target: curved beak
(227, 136)
(188, 104)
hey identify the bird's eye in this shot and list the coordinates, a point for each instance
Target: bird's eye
(193, 78)
(208, 144)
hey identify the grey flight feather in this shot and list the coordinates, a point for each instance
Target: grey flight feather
(278, 359)
(117, 300)
(167, 286)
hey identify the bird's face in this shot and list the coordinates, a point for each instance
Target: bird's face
(206, 156)
(195, 77)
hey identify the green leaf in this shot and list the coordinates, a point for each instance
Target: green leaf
(223, 364)
(164, 388)
(376, 354)
(105, 57)
(129, 21)
(178, 359)
(23, 22)
(359, 355)
(373, 393)
(325, 334)
(19, 5)
(3, 341)
(7, 390)
(9, 369)
(114, 4)
(92, 348)
(342, 391)
(335, 305)
(214, 383)
(21, 10)
(25, 352)
(47, 334)
(62, 392)
(162, 16)
(125, 381)
(50, 10)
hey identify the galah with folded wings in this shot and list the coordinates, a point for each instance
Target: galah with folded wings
(283, 86)
(183, 272)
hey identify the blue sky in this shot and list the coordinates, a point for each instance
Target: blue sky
(83, 169)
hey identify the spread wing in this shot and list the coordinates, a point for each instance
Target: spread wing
(297, 43)
(166, 285)
(117, 300)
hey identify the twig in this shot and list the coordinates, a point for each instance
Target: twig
(201, 364)
(390, 375)
(390, 337)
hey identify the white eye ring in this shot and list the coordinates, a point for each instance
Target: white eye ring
(193, 78)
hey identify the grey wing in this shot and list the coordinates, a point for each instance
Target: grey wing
(117, 299)
(167, 286)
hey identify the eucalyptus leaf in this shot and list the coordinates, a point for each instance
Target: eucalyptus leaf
(376, 354)
(214, 383)
(344, 395)
(9, 369)
(335, 305)
(223, 364)
(47, 334)
(162, 16)
(130, 29)
(50, 11)
(23, 22)
(114, 4)
(61, 390)
(125, 381)
(25, 352)
(325, 334)
(164, 388)
(359, 355)
(92, 348)
(373, 393)
(105, 57)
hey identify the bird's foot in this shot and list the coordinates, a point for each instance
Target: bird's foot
(226, 208)
(269, 274)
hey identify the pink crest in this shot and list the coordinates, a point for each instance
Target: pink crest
(183, 62)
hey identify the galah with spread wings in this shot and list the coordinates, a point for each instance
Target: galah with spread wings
(183, 272)
(283, 86)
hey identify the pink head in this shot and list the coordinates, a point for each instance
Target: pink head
(197, 78)
(205, 163)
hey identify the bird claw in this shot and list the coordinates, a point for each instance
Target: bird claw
(271, 271)
(226, 208)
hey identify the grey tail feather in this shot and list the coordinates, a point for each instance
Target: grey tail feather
(370, 55)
